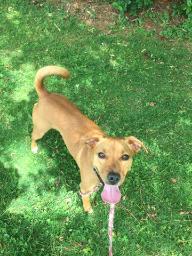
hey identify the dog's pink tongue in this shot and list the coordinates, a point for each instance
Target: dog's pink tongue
(111, 194)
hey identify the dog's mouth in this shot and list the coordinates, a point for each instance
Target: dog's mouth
(111, 193)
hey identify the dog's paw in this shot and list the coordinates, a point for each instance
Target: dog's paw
(90, 211)
(34, 150)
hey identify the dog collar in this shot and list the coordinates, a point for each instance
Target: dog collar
(95, 189)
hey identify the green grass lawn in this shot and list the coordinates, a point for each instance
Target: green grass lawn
(130, 83)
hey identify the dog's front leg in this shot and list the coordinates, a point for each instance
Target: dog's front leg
(86, 204)
(85, 192)
(89, 184)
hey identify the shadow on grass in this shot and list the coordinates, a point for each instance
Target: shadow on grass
(8, 186)
(65, 171)
(20, 236)
(66, 234)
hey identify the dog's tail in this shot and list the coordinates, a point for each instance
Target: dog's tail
(47, 71)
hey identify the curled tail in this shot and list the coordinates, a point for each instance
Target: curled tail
(47, 71)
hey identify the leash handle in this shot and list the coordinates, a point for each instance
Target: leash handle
(110, 228)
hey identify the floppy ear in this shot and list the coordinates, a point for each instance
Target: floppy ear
(91, 142)
(135, 145)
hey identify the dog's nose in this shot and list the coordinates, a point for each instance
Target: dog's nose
(113, 178)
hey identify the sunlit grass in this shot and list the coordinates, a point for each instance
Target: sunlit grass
(48, 205)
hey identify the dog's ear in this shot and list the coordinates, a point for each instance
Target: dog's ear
(91, 142)
(135, 145)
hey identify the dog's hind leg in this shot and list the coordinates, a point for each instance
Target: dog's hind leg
(36, 135)
(40, 127)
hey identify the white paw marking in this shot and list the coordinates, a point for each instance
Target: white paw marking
(90, 211)
(34, 150)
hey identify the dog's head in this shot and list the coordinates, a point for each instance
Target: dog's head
(113, 156)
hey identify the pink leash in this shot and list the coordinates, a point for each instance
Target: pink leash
(111, 195)
(110, 228)
(111, 216)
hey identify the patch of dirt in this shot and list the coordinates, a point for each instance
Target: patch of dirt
(101, 15)
(97, 14)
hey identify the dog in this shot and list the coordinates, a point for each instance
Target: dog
(98, 156)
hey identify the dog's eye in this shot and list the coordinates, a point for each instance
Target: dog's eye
(125, 157)
(101, 155)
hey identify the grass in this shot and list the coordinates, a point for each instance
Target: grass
(130, 84)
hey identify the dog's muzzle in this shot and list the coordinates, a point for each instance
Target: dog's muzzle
(113, 178)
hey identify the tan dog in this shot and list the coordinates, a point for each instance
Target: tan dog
(88, 144)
